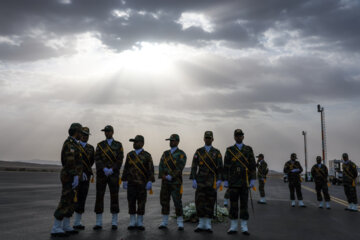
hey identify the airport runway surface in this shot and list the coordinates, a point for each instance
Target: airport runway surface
(28, 200)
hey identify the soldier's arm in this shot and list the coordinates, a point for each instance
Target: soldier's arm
(286, 168)
(194, 166)
(68, 155)
(161, 167)
(180, 165)
(313, 172)
(125, 173)
(227, 165)
(252, 164)
(354, 169)
(119, 158)
(266, 169)
(98, 160)
(220, 167)
(92, 156)
(151, 169)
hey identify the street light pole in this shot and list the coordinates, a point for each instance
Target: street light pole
(323, 133)
(305, 150)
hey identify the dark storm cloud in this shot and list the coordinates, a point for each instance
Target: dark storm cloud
(239, 24)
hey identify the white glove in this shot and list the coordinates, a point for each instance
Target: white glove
(84, 177)
(75, 182)
(148, 185)
(110, 172)
(168, 177)
(226, 184)
(125, 185)
(106, 171)
(218, 183)
(295, 170)
(194, 185)
(252, 183)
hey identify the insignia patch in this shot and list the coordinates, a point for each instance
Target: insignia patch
(233, 159)
(201, 163)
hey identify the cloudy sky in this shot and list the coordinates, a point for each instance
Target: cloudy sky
(161, 67)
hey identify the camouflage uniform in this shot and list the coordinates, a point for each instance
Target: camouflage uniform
(349, 179)
(87, 153)
(206, 169)
(320, 176)
(72, 166)
(171, 164)
(239, 169)
(261, 174)
(138, 171)
(294, 178)
(109, 157)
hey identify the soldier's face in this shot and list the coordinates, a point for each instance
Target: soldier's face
(260, 158)
(345, 157)
(78, 135)
(318, 160)
(84, 138)
(239, 138)
(109, 134)
(138, 145)
(174, 143)
(208, 141)
(293, 157)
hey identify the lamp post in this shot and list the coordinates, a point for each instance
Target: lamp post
(305, 150)
(320, 109)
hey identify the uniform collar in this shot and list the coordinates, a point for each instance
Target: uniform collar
(172, 150)
(208, 148)
(109, 141)
(319, 165)
(138, 151)
(83, 144)
(346, 162)
(239, 145)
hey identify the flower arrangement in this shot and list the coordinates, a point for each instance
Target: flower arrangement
(220, 213)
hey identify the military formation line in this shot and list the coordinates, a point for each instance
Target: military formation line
(238, 173)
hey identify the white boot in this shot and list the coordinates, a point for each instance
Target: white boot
(263, 200)
(164, 223)
(139, 222)
(233, 226)
(201, 225)
(98, 224)
(180, 223)
(321, 204)
(66, 226)
(77, 220)
(226, 202)
(328, 205)
(57, 230)
(354, 207)
(114, 219)
(293, 203)
(349, 207)
(132, 223)
(244, 227)
(301, 203)
(208, 224)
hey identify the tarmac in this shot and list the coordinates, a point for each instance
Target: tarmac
(28, 200)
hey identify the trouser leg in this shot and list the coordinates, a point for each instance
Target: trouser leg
(165, 198)
(82, 193)
(244, 196)
(113, 182)
(101, 182)
(234, 194)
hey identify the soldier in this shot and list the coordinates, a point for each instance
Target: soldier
(319, 172)
(293, 170)
(172, 163)
(350, 174)
(206, 174)
(138, 176)
(70, 173)
(108, 159)
(261, 174)
(239, 177)
(87, 153)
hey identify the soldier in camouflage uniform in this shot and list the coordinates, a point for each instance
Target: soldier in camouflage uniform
(109, 156)
(319, 172)
(206, 174)
(87, 152)
(137, 177)
(172, 164)
(239, 177)
(70, 173)
(262, 171)
(293, 170)
(350, 174)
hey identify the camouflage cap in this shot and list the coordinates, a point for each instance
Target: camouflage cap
(208, 134)
(293, 155)
(260, 155)
(76, 126)
(108, 128)
(86, 131)
(173, 137)
(138, 138)
(238, 132)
